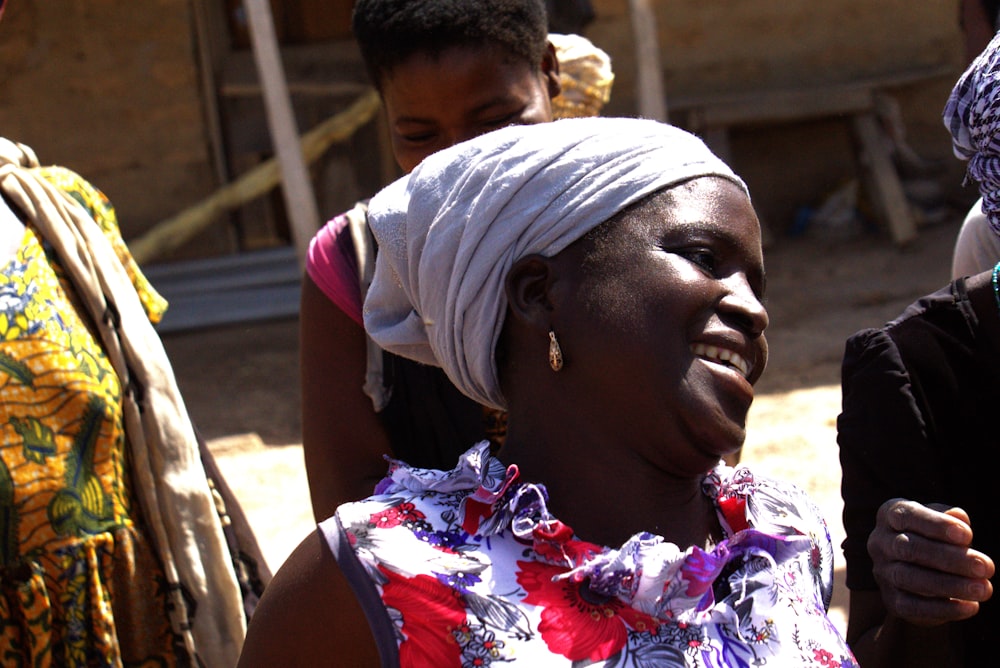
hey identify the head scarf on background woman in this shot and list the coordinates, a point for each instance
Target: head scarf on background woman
(972, 115)
(449, 232)
(585, 77)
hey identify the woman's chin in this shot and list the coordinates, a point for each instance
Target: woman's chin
(724, 444)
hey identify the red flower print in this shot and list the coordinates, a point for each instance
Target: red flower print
(394, 516)
(825, 658)
(430, 612)
(577, 623)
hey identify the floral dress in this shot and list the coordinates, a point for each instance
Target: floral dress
(80, 583)
(469, 568)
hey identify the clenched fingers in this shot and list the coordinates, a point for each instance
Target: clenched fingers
(912, 578)
(936, 522)
(888, 547)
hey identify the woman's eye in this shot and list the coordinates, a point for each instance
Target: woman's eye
(418, 137)
(701, 257)
(503, 121)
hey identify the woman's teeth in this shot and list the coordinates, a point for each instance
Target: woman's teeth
(722, 356)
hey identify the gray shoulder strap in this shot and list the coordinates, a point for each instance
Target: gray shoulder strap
(364, 249)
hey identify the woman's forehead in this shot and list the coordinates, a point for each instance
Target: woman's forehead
(457, 58)
(717, 211)
(702, 199)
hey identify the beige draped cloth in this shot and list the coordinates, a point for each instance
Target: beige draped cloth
(170, 481)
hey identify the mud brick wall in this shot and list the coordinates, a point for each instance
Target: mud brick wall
(111, 88)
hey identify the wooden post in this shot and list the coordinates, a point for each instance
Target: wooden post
(206, 66)
(649, 79)
(303, 214)
(883, 179)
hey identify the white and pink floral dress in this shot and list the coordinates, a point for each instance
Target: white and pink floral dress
(469, 568)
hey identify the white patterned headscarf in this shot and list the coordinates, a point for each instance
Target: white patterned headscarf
(449, 232)
(972, 115)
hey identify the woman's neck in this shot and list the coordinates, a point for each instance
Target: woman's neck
(608, 494)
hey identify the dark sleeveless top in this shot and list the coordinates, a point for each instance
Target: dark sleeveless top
(430, 423)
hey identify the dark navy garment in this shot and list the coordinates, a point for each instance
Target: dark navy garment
(921, 421)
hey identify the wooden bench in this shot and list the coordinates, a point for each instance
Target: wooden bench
(712, 117)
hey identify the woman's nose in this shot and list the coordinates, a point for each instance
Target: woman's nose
(742, 303)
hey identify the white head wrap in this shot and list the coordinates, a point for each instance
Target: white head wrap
(972, 116)
(450, 231)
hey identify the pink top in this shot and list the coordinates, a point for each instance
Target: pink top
(333, 266)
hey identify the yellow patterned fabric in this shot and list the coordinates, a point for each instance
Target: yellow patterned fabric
(80, 583)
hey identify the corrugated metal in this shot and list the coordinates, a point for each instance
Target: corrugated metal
(249, 287)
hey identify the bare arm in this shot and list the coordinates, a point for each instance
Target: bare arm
(309, 616)
(928, 576)
(342, 438)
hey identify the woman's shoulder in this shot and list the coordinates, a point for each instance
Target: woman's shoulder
(85, 193)
(308, 615)
(102, 212)
(953, 328)
(945, 312)
(335, 241)
(769, 504)
(332, 260)
(928, 326)
(330, 239)
(470, 497)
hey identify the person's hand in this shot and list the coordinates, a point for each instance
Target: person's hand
(925, 569)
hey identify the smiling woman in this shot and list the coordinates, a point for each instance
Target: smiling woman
(627, 250)
(669, 294)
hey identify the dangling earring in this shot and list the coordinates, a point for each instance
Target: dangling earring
(555, 352)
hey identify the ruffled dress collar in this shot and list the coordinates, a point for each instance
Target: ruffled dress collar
(647, 573)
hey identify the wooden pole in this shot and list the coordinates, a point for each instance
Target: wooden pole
(206, 67)
(300, 203)
(649, 79)
(172, 233)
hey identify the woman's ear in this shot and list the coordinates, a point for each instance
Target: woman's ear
(550, 70)
(527, 288)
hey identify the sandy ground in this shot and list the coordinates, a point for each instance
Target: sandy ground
(241, 383)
